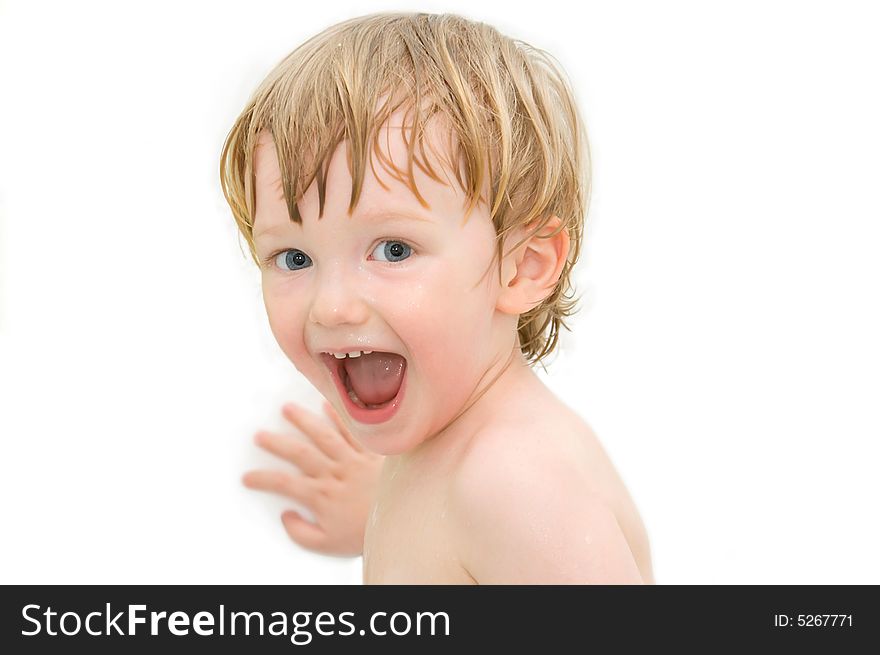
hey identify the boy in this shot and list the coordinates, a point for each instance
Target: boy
(416, 296)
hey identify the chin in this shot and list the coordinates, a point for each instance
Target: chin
(382, 444)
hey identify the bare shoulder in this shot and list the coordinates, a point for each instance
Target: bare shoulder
(563, 447)
(526, 512)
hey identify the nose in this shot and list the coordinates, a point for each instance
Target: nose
(337, 301)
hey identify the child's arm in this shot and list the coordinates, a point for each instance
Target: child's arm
(524, 523)
(338, 483)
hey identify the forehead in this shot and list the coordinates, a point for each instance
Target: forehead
(383, 192)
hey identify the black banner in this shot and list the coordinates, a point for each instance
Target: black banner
(335, 619)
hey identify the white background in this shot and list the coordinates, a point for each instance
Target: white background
(727, 354)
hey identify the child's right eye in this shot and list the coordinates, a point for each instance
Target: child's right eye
(290, 259)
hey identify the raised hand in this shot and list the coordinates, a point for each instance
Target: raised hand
(338, 481)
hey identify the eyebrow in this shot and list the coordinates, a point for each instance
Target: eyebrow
(381, 216)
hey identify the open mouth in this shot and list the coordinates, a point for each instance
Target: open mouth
(371, 386)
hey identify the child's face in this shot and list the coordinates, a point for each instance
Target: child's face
(430, 303)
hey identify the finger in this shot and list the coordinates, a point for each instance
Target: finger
(281, 482)
(303, 532)
(324, 437)
(307, 458)
(330, 411)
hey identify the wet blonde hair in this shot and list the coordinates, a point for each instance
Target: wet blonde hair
(500, 97)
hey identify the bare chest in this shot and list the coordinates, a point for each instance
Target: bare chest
(408, 538)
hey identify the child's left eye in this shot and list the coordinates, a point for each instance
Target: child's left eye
(395, 251)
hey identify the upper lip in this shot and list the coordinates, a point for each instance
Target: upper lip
(332, 350)
(344, 351)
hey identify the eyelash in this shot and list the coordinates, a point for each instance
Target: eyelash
(269, 262)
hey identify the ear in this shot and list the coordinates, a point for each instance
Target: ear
(529, 273)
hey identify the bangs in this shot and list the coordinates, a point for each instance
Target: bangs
(322, 95)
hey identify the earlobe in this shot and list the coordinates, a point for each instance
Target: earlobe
(530, 273)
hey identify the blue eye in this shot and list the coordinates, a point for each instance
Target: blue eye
(395, 251)
(294, 260)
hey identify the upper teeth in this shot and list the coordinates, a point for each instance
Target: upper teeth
(356, 353)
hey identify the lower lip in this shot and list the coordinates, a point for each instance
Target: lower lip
(369, 416)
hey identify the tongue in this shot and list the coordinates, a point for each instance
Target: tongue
(376, 377)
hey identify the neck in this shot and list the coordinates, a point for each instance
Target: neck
(507, 378)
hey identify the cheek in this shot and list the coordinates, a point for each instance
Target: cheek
(286, 320)
(445, 323)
